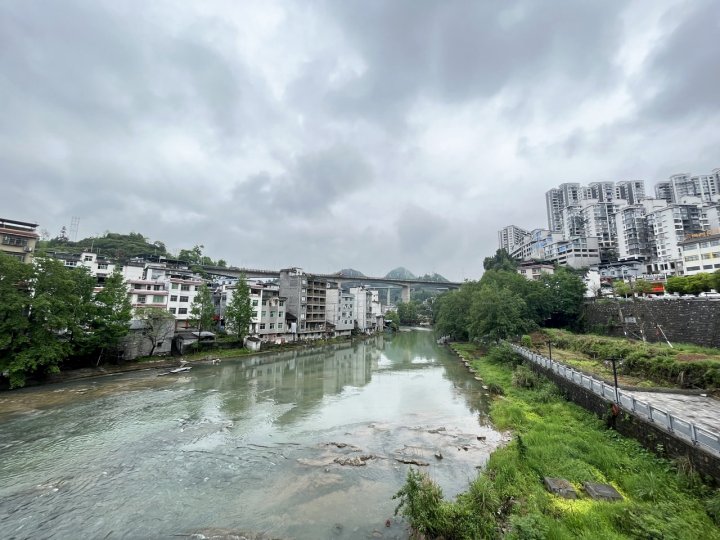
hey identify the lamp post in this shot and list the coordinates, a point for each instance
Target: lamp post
(617, 397)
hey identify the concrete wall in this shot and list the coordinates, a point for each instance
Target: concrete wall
(646, 433)
(683, 320)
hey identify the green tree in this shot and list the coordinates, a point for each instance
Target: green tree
(407, 312)
(642, 287)
(203, 308)
(500, 261)
(497, 314)
(157, 325)
(239, 312)
(564, 294)
(113, 315)
(15, 301)
(621, 288)
(392, 319)
(675, 284)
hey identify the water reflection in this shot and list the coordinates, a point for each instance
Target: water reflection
(241, 446)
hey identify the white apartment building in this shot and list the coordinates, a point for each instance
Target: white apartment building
(533, 271)
(363, 314)
(701, 252)
(669, 226)
(632, 191)
(340, 310)
(510, 237)
(578, 252)
(705, 186)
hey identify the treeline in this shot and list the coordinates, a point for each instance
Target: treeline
(702, 282)
(50, 313)
(503, 303)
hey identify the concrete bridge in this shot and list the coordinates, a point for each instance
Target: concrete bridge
(404, 284)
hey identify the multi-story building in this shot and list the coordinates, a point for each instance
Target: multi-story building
(669, 226)
(184, 286)
(511, 236)
(700, 252)
(706, 187)
(533, 271)
(578, 252)
(340, 310)
(305, 296)
(633, 233)
(363, 315)
(554, 207)
(18, 239)
(632, 191)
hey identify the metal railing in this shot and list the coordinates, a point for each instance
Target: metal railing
(666, 420)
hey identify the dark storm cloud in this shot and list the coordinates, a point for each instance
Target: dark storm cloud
(458, 50)
(683, 70)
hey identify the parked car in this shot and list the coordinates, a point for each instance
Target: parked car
(709, 294)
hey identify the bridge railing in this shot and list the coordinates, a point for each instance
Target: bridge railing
(668, 421)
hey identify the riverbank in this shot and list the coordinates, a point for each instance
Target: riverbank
(204, 356)
(557, 439)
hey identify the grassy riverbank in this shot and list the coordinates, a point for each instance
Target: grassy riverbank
(640, 364)
(559, 439)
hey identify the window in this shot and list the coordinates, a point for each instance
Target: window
(255, 314)
(254, 303)
(174, 286)
(282, 303)
(142, 299)
(183, 298)
(302, 298)
(262, 326)
(264, 313)
(157, 287)
(280, 325)
(272, 326)
(87, 258)
(173, 297)
(172, 310)
(184, 287)
(137, 286)
(102, 266)
(264, 302)
(157, 299)
(182, 311)
(197, 287)
(272, 314)
(281, 313)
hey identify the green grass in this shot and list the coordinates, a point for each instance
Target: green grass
(559, 439)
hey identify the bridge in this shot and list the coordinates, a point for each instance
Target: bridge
(404, 284)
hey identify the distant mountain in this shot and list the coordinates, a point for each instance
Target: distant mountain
(351, 272)
(400, 273)
(435, 277)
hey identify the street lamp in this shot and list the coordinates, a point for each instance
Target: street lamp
(617, 396)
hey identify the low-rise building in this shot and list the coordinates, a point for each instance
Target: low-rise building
(18, 239)
(701, 252)
(305, 296)
(533, 271)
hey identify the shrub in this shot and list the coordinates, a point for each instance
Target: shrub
(524, 377)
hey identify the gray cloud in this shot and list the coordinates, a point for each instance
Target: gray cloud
(343, 134)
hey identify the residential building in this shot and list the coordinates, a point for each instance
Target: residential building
(305, 296)
(705, 186)
(632, 191)
(184, 286)
(669, 226)
(633, 233)
(701, 252)
(579, 252)
(363, 314)
(511, 236)
(339, 310)
(18, 239)
(554, 207)
(535, 245)
(533, 271)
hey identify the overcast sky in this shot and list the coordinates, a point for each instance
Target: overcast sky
(331, 134)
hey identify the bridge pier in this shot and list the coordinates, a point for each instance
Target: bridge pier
(405, 294)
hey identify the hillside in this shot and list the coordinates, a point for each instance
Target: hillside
(434, 277)
(350, 272)
(115, 245)
(400, 273)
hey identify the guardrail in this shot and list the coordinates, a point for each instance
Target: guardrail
(671, 423)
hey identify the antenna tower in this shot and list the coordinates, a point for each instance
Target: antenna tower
(74, 224)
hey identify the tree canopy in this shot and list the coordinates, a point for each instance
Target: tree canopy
(239, 312)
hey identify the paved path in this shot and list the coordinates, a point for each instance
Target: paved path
(704, 412)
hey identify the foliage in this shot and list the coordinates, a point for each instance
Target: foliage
(695, 284)
(113, 313)
(157, 325)
(563, 440)
(118, 246)
(239, 312)
(500, 261)
(408, 312)
(203, 308)
(392, 319)
(655, 362)
(504, 303)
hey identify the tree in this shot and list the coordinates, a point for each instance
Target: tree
(14, 309)
(500, 261)
(407, 312)
(642, 287)
(675, 284)
(157, 325)
(392, 319)
(239, 312)
(621, 288)
(564, 297)
(497, 314)
(203, 308)
(114, 311)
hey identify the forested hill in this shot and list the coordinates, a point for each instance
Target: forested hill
(118, 246)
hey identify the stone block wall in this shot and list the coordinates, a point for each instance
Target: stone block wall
(683, 320)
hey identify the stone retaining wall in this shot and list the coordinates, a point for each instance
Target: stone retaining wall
(683, 320)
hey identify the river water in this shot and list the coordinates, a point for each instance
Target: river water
(245, 446)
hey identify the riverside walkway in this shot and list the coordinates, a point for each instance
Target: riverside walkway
(690, 417)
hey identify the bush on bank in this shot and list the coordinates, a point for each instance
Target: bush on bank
(653, 361)
(559, 439)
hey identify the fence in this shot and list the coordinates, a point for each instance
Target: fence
(669, 422)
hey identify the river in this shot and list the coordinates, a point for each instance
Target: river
(247, 445)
